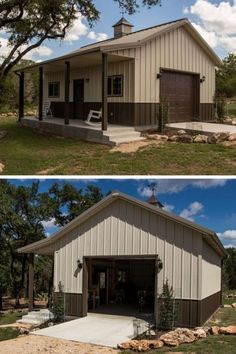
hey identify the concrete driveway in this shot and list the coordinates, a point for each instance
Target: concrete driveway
(100, 329)
(204, 127)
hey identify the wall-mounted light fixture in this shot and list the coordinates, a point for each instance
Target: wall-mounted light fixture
(79, 264)
(159, 264)
(158, 76)
(203, 79)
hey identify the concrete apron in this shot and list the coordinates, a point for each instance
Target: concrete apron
(100, 329)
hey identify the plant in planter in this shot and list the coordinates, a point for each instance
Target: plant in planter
(58, 308)
(167, 308)
(163, 116)
(220, 107)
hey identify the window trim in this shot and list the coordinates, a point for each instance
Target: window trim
(59, 84)
(122, 85)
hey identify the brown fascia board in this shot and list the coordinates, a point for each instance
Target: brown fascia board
(109, 199)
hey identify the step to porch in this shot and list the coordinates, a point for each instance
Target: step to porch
(120, 136)
(37, 317)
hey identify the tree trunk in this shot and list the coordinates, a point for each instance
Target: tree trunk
(1, 304)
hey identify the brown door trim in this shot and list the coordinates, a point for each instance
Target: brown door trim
(85, 288)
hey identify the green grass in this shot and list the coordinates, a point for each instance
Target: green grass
(209, 345)
(10, 317)
(231, 109)
(212, 344)
(8, 333)
(25, 152)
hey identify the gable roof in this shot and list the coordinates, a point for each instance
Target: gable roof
(137, 38)
(210, 236)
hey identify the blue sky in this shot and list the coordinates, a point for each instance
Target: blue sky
(209, 202)
(214, 19)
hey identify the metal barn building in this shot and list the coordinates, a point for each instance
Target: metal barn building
(122, 246)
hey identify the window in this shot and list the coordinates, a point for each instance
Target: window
(115, 85)
(54, 89)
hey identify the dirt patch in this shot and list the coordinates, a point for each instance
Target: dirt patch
(33, 344)
(132, 147)
(49, 170)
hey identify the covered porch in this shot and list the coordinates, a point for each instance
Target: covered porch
(113, 135)
(82, 85)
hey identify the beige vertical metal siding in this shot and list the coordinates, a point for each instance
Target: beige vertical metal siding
(93, 88)
(211, 271)
(123, 229)
(173, 50)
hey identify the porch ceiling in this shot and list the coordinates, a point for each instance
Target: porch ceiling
(80, 60)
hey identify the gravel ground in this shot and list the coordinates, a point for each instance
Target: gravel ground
(33, 344)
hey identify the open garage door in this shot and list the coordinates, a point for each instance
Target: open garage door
(121, 286)
(182, 93)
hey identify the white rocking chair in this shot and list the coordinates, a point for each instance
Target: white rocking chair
(47, 111)
(97, 115)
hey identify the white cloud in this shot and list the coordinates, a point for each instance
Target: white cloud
(192, 210)
(228, 234)
(77, 30)
(230, 246)
(169, 207)
(41, 51)
(97, 36)
(216, 22)
(172, 186)
(49, 223)
(228, 238)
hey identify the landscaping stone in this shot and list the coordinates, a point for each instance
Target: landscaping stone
(24, 331)
(155, 344)
(227, 120)
(199, 333)
(181, 132)
(226, 305)
(186, 139)
(1, 167)
(215, 330)
(178, 336)
(200, 138)
(234, 305)
(232, 137)
(3, 133)
(228, 330)
(173, 138)
(218, 138)
(158, 137)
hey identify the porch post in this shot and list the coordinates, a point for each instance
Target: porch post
(67, 93)
(40, 108)
(31, 282)
(21, 95)
(104, 90)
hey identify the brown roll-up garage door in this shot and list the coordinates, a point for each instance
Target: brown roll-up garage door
(182, 93)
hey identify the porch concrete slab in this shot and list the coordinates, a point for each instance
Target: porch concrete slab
(100, 329)
(204, 127)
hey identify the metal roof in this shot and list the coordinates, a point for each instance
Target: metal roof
(210, 236)
(138, 38)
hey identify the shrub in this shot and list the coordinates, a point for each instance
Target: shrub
(220, 107)
(167, 308)
(59, 304)
(163, 116)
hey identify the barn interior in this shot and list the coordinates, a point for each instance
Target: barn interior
(121, 286)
